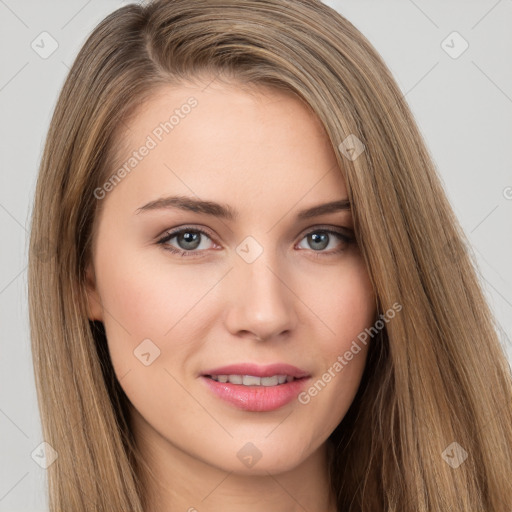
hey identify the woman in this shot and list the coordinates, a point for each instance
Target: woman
(194, 347)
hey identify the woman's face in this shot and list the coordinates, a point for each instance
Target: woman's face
(265, 289)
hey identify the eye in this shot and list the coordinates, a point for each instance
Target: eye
(188, 238)
(320, 238)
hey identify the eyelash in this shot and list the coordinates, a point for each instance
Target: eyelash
(172, 234)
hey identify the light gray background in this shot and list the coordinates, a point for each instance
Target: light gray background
(463, 107)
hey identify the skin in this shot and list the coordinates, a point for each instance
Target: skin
(264, 154)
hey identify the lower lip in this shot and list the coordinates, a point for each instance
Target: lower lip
(256, 398)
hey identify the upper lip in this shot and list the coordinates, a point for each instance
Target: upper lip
(258, 371)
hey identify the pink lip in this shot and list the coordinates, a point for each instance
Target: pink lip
(257, 398)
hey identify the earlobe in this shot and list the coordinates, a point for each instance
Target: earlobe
(94, 309)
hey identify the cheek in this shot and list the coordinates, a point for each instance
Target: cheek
(354, 311)
(163, 305)
(348, 307)
(142, 300)
(347, 310)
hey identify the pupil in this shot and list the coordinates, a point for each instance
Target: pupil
(188, 237)
(315, 237)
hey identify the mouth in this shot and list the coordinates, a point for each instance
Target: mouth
(256, 388)
(253, 380)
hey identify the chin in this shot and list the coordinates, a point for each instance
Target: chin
(262, 457)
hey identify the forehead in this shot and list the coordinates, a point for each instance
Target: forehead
(227, 143)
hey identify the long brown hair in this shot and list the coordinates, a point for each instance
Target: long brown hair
(435, 375)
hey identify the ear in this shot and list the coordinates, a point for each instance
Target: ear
(94, 307)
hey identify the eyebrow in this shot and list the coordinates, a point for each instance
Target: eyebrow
(225, 211)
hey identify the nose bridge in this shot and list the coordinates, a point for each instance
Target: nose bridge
(263, 304)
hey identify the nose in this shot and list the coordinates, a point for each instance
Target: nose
(263, 304)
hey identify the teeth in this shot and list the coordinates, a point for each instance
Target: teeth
(249, 380)
(235, 379)
(252, 380)
(271, 381)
